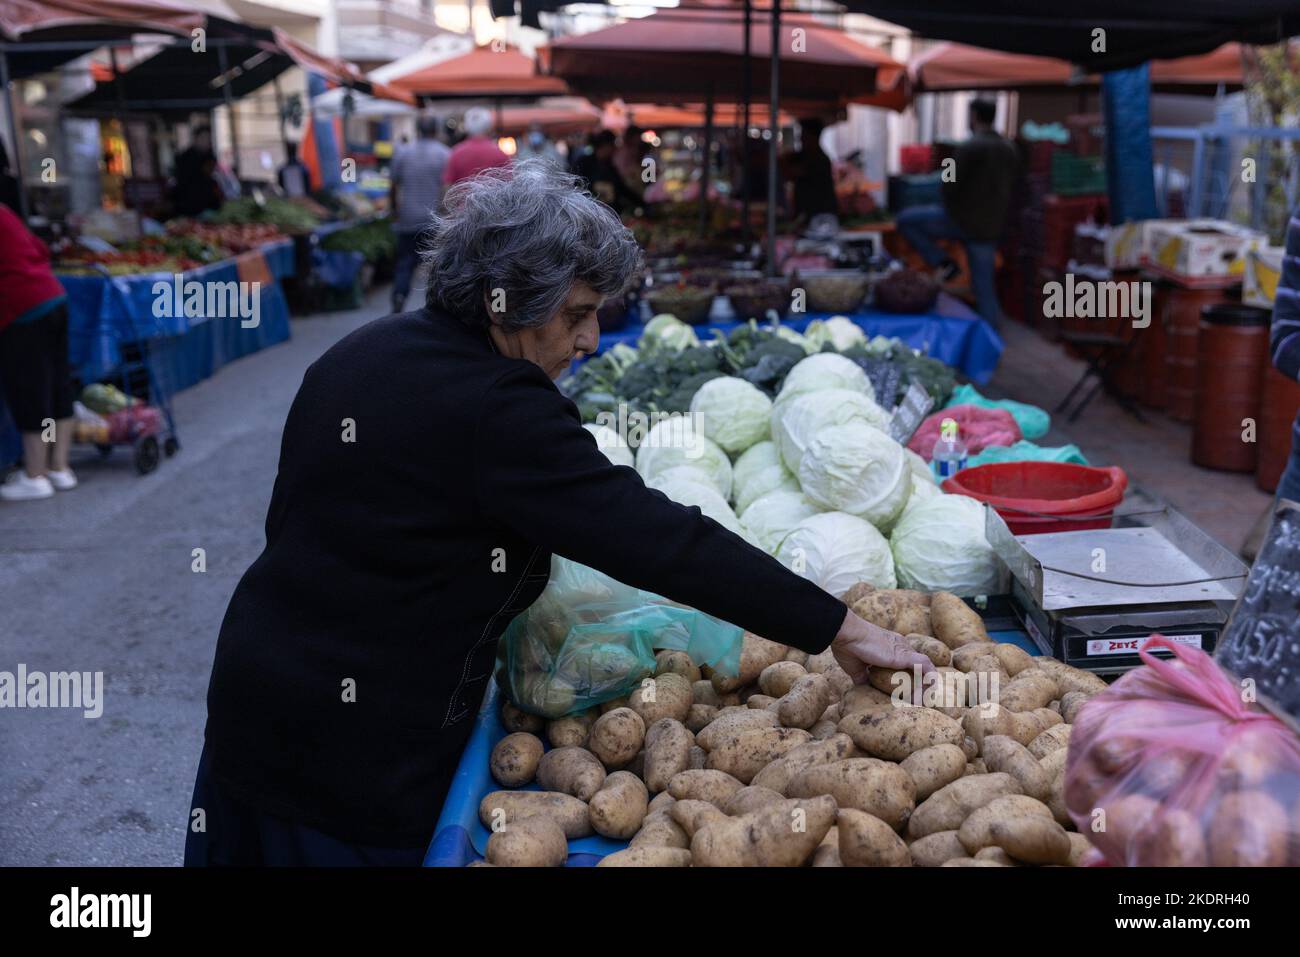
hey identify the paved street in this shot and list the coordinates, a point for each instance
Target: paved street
(99, 579)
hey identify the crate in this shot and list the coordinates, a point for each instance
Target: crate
(1078, 175)
(1060, 215)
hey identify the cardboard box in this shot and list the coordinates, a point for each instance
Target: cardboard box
(1203, 252)
(1260, 279)
(1128, 245)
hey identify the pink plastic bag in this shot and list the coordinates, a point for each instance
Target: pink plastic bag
(1170, 768)
(980, 427)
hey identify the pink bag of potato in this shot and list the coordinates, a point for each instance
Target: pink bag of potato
(980, 427)
(1169, 767)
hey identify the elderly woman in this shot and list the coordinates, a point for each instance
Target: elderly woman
(429, 469)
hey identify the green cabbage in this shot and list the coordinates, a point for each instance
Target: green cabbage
(836, 551)
(674, 443)
(920, 468)
(682, 486)
(770, 479)
(753, 460)
(840, 331)
(796, 420)
(826, 370)
(939, 545)
(667, 332)
(769, 518)
(732, 413)
(611, 443)
(858, 469)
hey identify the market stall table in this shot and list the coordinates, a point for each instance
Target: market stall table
(108, 313)
(951, 332)
(460, 837)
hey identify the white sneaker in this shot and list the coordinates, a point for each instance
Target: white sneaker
(62, 481)
(19, 487)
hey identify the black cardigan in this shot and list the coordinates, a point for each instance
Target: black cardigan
(358, 645)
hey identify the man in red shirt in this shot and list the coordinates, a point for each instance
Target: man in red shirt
(477, 152)
(34, 374)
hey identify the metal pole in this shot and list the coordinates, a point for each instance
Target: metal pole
(230, 108)
(12, 117)
(708, 162)
(747, 92)
(774, 125)
(279, 109)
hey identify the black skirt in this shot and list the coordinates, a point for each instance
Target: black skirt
(34, 372)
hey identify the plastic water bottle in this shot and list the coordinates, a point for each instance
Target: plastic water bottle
(949, 455)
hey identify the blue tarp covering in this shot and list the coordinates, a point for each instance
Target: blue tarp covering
(105, 313)
(1130, 177)
(460, 838)
(951, 332)
(338, 270)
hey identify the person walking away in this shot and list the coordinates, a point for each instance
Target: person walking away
(1284, 345)
(629, 160)
(812, 175)
(34, 372)
(536, 146)
(974, 209)
(601, 175)
(293, 176)
(416, 195)
(196, 189)
(478, 151)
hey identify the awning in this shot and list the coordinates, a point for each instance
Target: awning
(956, 66)
(1134, 31)
(177, 79)
(491, 71)
(687, 53)
(554, 120)
(42, 35)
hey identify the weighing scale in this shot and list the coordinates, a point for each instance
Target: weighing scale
(1092, 597)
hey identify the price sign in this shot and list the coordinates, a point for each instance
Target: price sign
(1262, 639)
(911, 412)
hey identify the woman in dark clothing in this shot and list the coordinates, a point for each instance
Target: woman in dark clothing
(429, 469)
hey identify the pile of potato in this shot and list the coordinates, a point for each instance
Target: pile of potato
(789, 763)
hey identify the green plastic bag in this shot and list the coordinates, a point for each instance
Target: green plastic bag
(1023, 451)
(590, 638)
(1033, 421)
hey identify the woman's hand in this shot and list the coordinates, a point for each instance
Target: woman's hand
(861, 645)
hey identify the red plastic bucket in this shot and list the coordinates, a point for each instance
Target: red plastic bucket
(1038, 497)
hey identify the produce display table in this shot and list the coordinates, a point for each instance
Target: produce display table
(106, 313)
(952, 333)
(460, 838)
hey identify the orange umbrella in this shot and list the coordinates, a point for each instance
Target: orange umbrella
(686, 53)
(490, 71)
(690, 116)
(956, 66)
(553, 119)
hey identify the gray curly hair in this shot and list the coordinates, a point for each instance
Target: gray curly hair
(531, 232)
